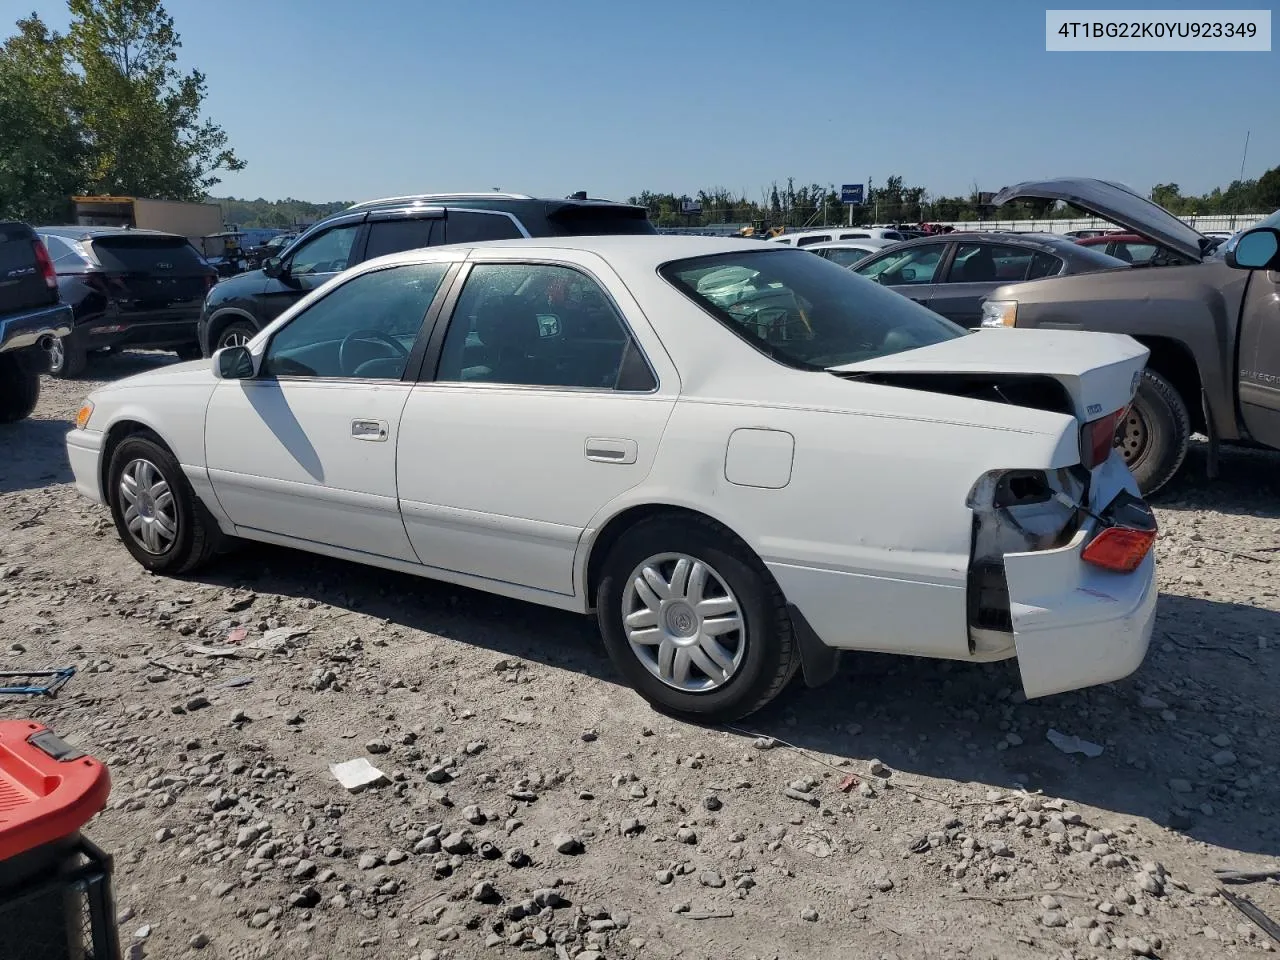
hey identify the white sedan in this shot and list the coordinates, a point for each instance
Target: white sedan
(740, 457)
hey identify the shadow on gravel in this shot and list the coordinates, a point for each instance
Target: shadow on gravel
(116, 365)
(1248, 484)
(925, 717)
(25, 460)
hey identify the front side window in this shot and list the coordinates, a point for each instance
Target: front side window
(465, 227)
(912, 265)
(540, 325)
(329, 252)
(803, 311)
(364, 329)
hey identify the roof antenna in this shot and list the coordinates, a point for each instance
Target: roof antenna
(580, 195)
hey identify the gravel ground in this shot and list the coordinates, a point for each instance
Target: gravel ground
(534, 804)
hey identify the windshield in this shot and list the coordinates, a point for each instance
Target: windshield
(805, 311)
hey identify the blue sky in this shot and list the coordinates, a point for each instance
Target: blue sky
(342, 100)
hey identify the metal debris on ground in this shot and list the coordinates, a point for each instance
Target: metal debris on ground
(1246, 876)
(1253, 912)
(1073, 744)
(848, 783)
(56, 679)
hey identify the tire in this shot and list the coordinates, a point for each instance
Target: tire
(1156, 435)
(242, 331)
(195, 536)
(763, 655)
(67, 359)
(189, 352)
(19, 389)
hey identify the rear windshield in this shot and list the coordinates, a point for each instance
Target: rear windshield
(573, 220)
(148, 255)
(805, 311)
(1089, 257)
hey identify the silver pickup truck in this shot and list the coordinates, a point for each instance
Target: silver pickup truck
(32, 317)
(1212, 324)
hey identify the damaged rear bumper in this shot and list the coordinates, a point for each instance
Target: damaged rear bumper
(1075, 625)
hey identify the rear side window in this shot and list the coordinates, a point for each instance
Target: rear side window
(61, 251)
(393, 236)
(170, 255)
(988, 262)
(805, 241)
(1044, 265)
(464, 227)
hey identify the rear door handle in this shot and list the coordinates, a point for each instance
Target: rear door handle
(374, 430)
(605, 450)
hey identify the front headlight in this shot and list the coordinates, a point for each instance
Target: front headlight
(1000, 313)
(82, 418)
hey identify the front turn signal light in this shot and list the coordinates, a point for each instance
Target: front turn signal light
(82, 418)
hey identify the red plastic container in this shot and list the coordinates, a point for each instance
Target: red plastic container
(55, 891)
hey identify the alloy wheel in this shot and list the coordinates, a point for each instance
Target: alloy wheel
(683, 623)
(150, 512)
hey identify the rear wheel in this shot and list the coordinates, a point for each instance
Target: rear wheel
(157, 514)
(19, 389)
(694, 621)
(236, 335)
(1155, 436)
(67, 359)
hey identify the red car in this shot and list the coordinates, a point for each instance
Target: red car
(1134, 249)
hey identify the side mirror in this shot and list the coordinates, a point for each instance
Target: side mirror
(1256, 250)
(234, 363)
(273, 267)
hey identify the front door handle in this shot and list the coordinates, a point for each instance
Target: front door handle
(604, 450)
(375, 430)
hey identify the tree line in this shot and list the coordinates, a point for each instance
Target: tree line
(102, 109)
(815, 204)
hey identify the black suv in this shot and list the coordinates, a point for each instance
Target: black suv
(237, 308)
(128, 288)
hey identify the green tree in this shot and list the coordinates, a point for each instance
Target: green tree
(45, 153)
(143, 114)
(1267, 192)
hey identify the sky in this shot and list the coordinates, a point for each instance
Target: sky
(342, 100)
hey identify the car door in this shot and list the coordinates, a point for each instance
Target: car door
(911, 271)
(305, 451)
(977, 268)
(1260, 357)
(547, 401)
(312, 263)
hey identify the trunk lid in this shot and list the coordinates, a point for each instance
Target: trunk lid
(1097, 373)
(153, 276)
(1117, 203)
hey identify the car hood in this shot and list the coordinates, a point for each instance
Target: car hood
(241, 285)
(1099, 371)
(173, 374)
(1116, 203)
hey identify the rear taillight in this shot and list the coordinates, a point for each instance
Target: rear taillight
(1119, 549)
(1128, 533)
(1097, 437)
(45, 262)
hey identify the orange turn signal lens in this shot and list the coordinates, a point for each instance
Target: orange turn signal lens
(1119, 549)
(82, 418)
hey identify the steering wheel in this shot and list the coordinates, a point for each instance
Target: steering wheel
(400, 351)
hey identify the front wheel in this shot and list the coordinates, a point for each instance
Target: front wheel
(236, 335)
(157, 514)
(694, 621)
(1156, 435)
